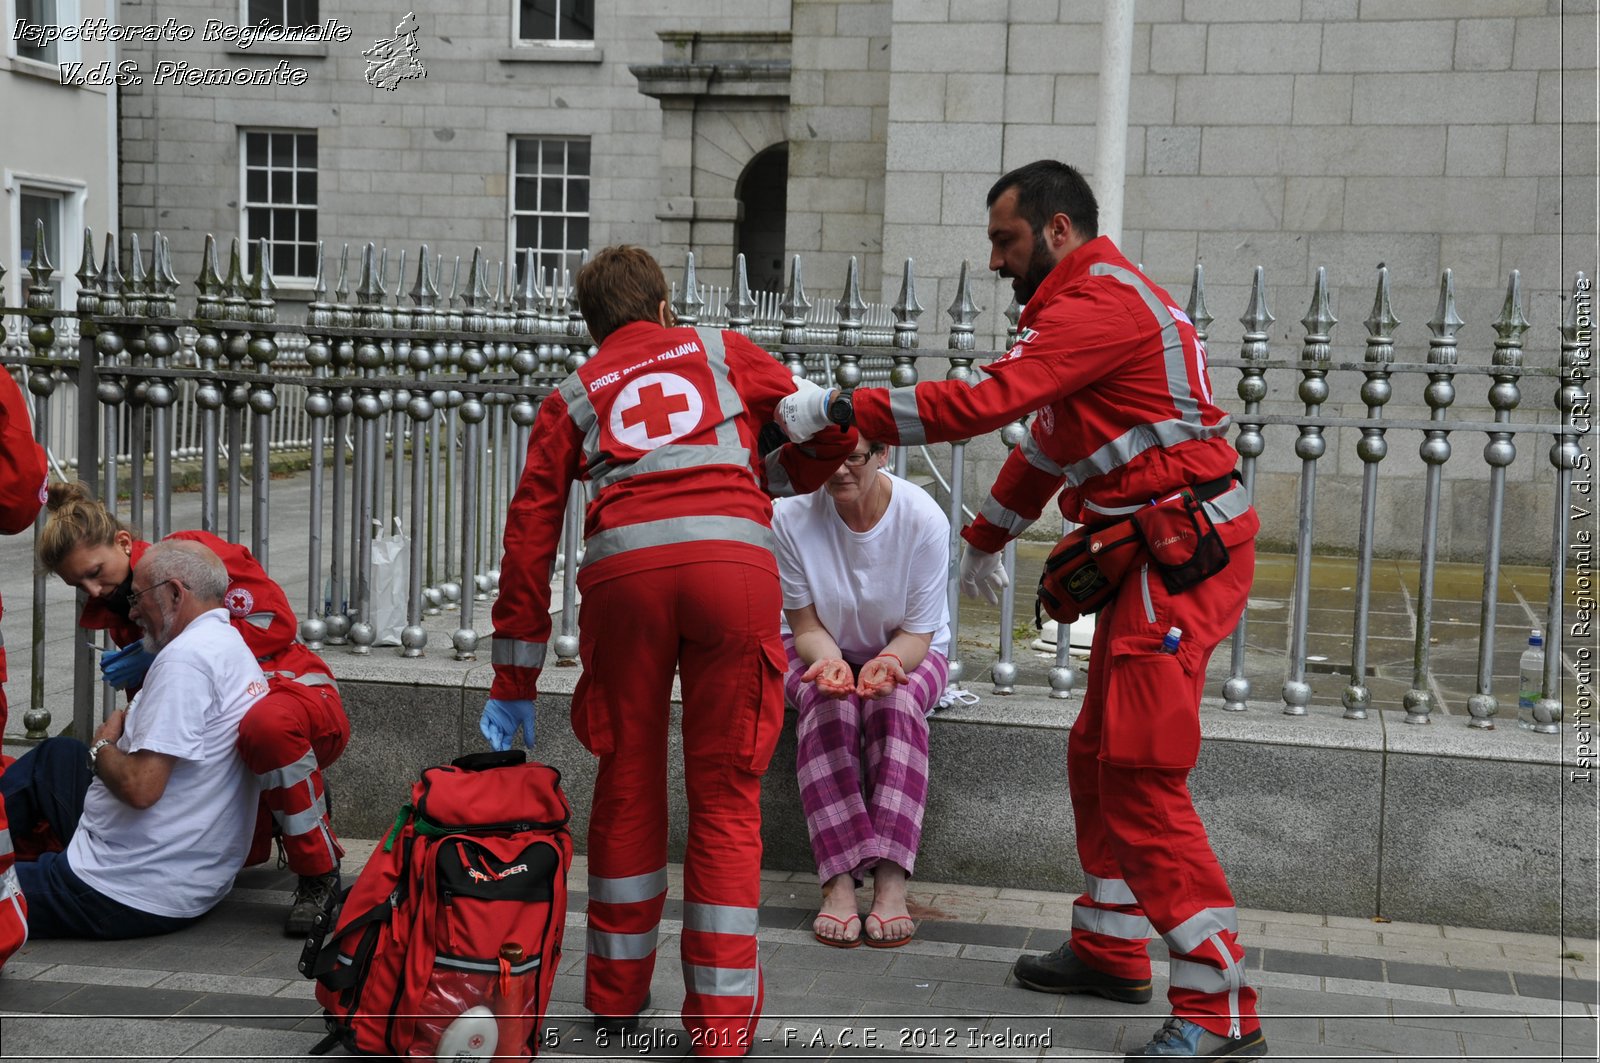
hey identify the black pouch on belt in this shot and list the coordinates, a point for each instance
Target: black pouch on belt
(1182, 540)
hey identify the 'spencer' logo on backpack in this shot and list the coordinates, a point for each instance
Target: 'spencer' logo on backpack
(479, 876)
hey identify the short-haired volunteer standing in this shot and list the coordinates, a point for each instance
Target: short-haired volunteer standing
(661, 428)
(865, 564)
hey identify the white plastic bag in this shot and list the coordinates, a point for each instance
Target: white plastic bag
(391, 580)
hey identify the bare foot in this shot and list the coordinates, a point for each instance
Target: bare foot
(890, 920)
(838, 922)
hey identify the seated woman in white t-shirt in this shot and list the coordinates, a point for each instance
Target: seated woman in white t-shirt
(864, 565)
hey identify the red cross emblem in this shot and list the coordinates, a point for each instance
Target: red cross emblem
(655, 409)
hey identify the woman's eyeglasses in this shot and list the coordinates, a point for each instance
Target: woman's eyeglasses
(855, 461)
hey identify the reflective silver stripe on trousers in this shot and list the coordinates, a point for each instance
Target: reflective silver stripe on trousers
(1136, 441)
(1012, 522)
(303, 822)
(720, 919)
(673, 456)
(778, 483)
(907, 421)
(1193, 931)
(309, 679)
(629, 890)
(1038, 458)
(1109, 891)
(721, 981)
(1235, 978)
(518, 653)
(290, 774)
(1172, 353)
(1197, 976)
(5, 841)
(1111, 924)
(621, 946)
(676, 530)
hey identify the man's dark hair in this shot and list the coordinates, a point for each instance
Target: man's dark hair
(618, 286)
(1047, 188)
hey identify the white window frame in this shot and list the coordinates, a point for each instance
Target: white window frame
(279, 273)
(244, 14)
(73, 196)
(570, 256)
(548, 42)
(66, 51)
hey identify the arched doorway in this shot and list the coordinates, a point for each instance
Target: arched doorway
(763, 196)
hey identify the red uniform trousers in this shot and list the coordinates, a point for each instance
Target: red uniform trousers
(286, 739)
(716, 621)
(1143, 848)
(13, 906)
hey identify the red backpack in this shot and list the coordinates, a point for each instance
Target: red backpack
(448, 943)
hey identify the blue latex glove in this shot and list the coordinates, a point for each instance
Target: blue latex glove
(501, 719)
(125, 667)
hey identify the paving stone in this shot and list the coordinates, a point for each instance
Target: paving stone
(824, 958)
(1384, 1035)
(990, 953)
(31, 995)
(126, 1000)
(879, 987)
(992, 999)
(1488, 1046)
(1505, 1023)
(237, 984)
(238, 1009)
(980, 972)
(254, 1044)
(1448, 977)
(1576, 1036)
(1266, 979)
(1359, 967)
(1356, 987)
(1529, 1006)
(1549, 988)
(50, 1037)
(785, 918)
(83, 974)
(970, 934)
(1301, 1002)
(791, 980)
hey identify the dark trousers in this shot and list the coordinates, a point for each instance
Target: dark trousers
(47, 785)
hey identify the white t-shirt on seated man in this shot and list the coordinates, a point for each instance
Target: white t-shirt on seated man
(178, 857)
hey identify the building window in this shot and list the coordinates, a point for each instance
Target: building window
(32, 15)
(555, 20)
(37, 205)
(280, 200)
(59, 206)
(289, 14)
(550, 201)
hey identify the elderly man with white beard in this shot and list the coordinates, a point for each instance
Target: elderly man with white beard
(156, 812)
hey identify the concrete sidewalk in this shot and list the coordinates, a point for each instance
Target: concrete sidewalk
(1331, 987)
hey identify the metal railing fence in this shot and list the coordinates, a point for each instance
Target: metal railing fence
(419, 407)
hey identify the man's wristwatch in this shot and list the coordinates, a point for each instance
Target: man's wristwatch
(842, 410)
(94, 754)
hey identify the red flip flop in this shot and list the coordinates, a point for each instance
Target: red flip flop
(884, 941)
(840, 943)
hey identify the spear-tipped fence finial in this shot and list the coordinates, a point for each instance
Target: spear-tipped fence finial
(1256, 316)
(1319, 320)
(963, 311)
(742, 305)
(424, 293)
(1445, 323)
(1511, 325)
(1196, 307)
(369, 290)
(87, 273)
(907, 309)
(1381, 321)
(209, 284)
(110, 269)
(795, 305)
(689, 303)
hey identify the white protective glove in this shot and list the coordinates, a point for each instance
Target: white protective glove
(804, 411)
(982, 575)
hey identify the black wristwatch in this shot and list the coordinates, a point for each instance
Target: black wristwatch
(842, 410)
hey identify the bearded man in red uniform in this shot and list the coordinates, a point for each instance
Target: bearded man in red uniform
(22, 479)
(1118, 379)
(661, 426)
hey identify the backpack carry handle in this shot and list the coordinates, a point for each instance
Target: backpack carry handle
(490, 759)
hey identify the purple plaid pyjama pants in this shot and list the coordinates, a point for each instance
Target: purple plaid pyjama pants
(863, 768)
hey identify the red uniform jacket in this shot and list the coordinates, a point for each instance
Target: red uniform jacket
(661, 425)
(257, 606)
(1119, 380)
(22, 478)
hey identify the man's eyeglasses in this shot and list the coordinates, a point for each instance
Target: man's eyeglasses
(855, 461)
(133, 599)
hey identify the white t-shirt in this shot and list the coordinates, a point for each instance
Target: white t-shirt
(866, 585)
(179, 856)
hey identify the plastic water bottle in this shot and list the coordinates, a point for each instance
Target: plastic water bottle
(1175, 636)
(1530, 679)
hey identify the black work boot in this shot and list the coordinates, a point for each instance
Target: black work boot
(312, 894)
(1062, 972)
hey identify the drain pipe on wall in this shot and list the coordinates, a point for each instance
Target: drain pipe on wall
(1111, 123)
